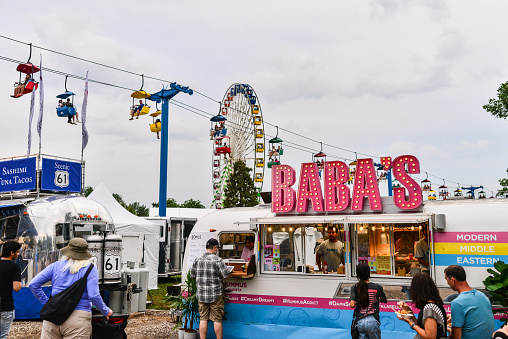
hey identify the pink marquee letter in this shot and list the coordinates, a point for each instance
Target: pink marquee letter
(336, 192)
(414, 198)
(283, 196)
(366, 186)
(309, 188)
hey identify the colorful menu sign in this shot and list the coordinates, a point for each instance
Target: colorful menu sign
(475, 249)
(272, 258)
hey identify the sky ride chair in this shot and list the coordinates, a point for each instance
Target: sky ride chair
(275, 151)
(223, 145)
(30, 84)
(215, 121)
(320, 159)
(66, 110)
(156, 126)
(140, 95)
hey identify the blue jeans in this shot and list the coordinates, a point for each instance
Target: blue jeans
(369, 328)
(6, 319)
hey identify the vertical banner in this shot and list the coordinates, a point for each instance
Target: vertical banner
(32, 104)
(41, 104)
(84, 132)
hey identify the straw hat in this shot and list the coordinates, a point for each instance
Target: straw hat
(77, 249)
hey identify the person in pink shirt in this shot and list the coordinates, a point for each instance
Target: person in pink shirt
(248, 249)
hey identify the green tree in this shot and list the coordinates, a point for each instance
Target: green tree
(499, 107)
(87, 191)
(138, 209)
(504, 188)
(119, 198)
(171, 202)
(240, 190)
(191, 203)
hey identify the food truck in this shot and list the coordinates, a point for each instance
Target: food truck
(282, 292)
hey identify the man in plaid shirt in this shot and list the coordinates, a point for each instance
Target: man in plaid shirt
(210, 271)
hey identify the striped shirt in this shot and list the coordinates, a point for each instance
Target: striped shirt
(209, 271)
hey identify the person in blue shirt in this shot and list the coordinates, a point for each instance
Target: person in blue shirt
(136, 110)
(472, 316)
(62, 274)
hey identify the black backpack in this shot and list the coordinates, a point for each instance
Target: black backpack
(60, 306)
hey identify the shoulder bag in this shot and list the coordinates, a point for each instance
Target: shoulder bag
(60, 306)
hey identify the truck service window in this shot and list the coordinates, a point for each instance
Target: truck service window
(278, 253)
(390, 249)
(232, 244)
(9, 227)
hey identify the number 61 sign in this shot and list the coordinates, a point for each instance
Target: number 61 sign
(61, 178)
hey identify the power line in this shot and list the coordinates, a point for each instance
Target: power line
(175, 102)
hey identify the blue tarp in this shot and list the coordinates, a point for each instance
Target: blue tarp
(26, 305)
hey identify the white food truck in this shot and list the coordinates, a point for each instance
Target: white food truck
(283, 293)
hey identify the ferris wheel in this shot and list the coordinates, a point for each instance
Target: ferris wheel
(238, 134)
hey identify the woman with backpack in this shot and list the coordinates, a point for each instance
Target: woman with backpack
(365, 298)
(75, 264)
(431, 322)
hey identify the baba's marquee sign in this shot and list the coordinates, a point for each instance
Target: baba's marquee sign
(56, 175)
(335, 195)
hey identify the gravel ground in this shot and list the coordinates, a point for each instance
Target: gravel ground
(153, 324)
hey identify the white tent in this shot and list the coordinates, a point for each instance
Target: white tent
(126, 222)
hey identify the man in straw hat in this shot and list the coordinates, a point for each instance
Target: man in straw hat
(62, 274)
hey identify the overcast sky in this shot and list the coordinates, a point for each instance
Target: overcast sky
(383, 78)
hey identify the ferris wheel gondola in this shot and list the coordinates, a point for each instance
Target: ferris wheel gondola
(238, 134)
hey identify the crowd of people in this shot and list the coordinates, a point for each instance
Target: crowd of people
(471, 314)
(74, 264)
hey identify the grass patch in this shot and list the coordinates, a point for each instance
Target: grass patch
(159, 299)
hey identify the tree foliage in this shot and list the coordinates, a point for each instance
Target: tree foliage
(240, 190)
(135, 208)
(498, 107)
(497, 285)
(190, 203)
(138, 209)
(87, 191)
(504, 186)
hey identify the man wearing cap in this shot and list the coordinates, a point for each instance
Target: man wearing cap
(209, 271)
(10, 280)
(62, 274)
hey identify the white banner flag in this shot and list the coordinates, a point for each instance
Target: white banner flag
(41, 104)
(84, 132)
(32, 104)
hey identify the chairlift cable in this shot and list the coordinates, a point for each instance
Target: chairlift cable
(152, 78)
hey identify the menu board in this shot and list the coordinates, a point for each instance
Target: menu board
(272, 258)
(383, 264)
(196, 245)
